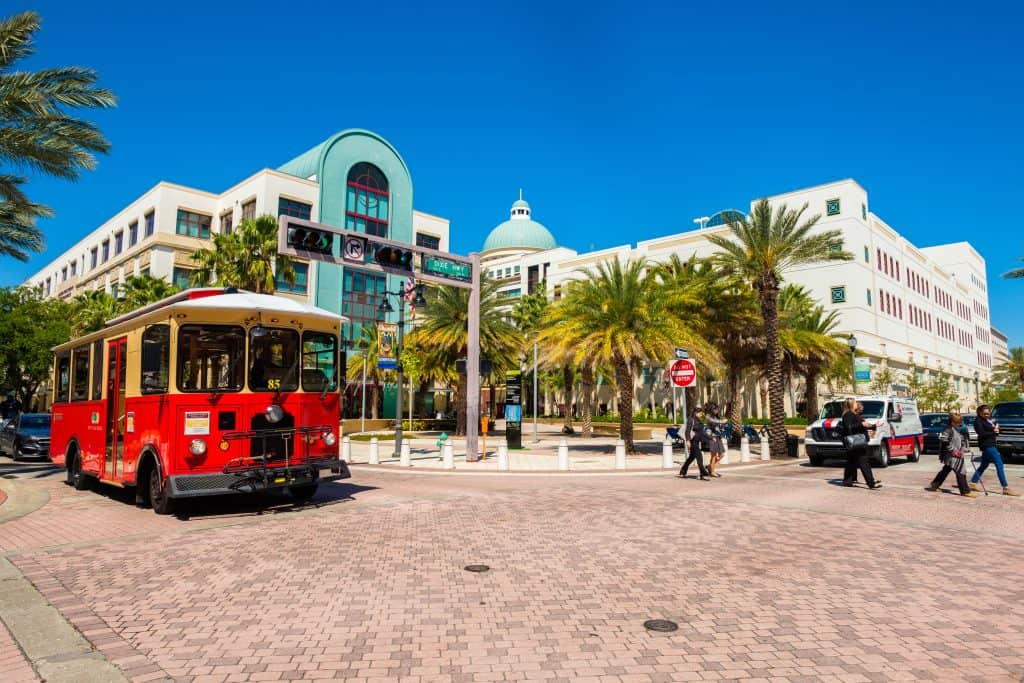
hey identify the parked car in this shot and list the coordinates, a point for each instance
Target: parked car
(969, 419)
(898, 432)
(1009, 415)
(932, 425)
(26, 436)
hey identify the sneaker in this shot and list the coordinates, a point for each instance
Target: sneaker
(931, 487)
(1007, 491)
(969, 494)
(876, 485)
(974, 487)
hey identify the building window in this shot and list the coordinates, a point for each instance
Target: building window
(838, 295)
(511, 293)
(133, 234)
(249, 209)
(74, 268)
(181, 277)
(64, 274)
(106, 251)
(49, 286)
(150, 223)
(835, 248)
(832, 207)
(869, 297)
(118, 242)
(225, 222)
(867, 256)
(193, 224)
(290, 207)
(864, 211)
(301, 277)
(93, 257)
(361, 295)
(428, 241)
(366, 200)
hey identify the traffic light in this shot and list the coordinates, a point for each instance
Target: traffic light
(310, 239)
(394, 258)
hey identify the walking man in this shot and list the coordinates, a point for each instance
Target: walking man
(987, 430)
(693, 435)
(953, 444)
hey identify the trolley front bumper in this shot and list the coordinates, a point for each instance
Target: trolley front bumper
(257, 479)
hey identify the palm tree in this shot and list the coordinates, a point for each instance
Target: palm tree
(807, 337)
(38, 133)
(622, 315)
(760, 249)
(1010, 374)
(1015, 273)
(91, 310)
(443, 334)
(246, 258)
(369, 340)
(141, 290)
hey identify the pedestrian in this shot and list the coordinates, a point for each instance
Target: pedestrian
(694, 435)
(987, 430)
(10, 407)
(715, 428)
(856, 437)
(953, 445)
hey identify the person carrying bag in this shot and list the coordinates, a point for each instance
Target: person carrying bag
(953, 447)
(855, 440)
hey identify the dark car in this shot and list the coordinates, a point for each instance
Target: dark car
(969, 419)
(1009, 415)
(932, 425)
(26, 436)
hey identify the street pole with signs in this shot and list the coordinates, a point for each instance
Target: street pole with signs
(305, 239)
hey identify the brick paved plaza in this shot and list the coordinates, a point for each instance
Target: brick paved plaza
(771, 572)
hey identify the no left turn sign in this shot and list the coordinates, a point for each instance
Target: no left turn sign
(683, 373)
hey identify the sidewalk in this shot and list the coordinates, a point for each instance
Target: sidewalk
(585, 454)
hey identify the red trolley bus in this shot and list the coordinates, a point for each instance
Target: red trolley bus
(208, 392)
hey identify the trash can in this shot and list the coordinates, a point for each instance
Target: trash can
(792, 445)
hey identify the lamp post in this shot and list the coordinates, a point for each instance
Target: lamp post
(852, 341)
(977, 394)
(364, 351)
(535, 384)
(701, 221)
(383, 309)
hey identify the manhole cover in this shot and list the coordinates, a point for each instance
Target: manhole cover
(477, 568)
(661, 625)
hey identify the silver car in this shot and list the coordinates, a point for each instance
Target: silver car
(969, 423)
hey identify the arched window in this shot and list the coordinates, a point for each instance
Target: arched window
(366, 200)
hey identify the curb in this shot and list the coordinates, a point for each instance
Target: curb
(21, 500)
(647, 472)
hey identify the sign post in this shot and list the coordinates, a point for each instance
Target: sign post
(513, 410)
(683, 374)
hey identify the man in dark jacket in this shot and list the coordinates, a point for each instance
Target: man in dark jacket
(10, 407)
(693, 435)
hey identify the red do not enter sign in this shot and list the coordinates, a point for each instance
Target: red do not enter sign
(683, 373)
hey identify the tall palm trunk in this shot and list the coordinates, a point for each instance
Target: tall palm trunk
(460, 407)
(568, 377)
(587, 382)
(374, 400)
(811, 393)
(624, 378)
(733, 381)
(776, 390)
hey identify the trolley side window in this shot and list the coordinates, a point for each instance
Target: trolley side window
(156, 359)
(210, 357)
(273, 359)
(62, 377)
(97, 370)
(80, 376)
(319, 361)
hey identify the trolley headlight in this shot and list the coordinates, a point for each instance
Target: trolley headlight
(197, 447)
(330, 439)
(274, 413)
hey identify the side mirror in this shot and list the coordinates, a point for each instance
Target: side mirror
(896, 418)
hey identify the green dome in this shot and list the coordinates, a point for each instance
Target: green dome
(520, 232)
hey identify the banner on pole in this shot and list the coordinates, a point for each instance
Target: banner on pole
(387, 345)
(862, 370)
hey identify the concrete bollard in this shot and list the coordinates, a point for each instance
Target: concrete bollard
(346, 449)
(620, 455)
(725, 457)
(405, 458)
(503, 458)
(744, 449)
(374, 452)
(448, 457)
(563, 456)
(765, 453)
(667, 462)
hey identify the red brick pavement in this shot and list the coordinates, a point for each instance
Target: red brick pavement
(771, 576)
(14, 667)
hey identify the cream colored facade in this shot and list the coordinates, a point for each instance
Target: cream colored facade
(165, 253)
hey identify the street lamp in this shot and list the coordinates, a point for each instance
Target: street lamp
(852, 341)
(977, 394)
(701, 221)
(535, 439)
(383, 309)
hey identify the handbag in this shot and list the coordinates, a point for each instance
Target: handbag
(852, 441)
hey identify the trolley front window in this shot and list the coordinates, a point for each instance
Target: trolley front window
(210, 357)
(156, 359)
(80, 382)
(319, 361)
(273, 359)
(62, 381)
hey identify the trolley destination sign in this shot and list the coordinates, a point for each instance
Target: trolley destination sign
(331, 244)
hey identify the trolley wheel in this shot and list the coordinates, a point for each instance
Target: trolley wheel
(75, 476)
(303, 494)
(161, 503)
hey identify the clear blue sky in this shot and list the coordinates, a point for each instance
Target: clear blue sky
(621, 120)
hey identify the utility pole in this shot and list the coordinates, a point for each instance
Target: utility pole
(473, 364)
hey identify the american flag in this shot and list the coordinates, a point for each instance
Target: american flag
(410, 296)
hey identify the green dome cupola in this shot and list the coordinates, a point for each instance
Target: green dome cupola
(520, 231)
